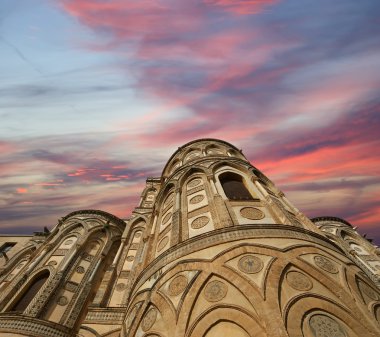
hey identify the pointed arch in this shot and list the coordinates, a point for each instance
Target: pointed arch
(30, 291)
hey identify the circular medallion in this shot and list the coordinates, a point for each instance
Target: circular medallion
(52, 263)
(298, 281)
(194, 183)
(197, 199)
(120, 286)
(68, 242)
(80, 270)
(250, 264)
(325, 264)
(169, 199)
(130, 258)
(149, 319)
(161, 245)
(62, 300)
(325, 326)
(200, 222)
(177, 285)
(252, 213)
(215, 291)
(167, 217)
(369, 291)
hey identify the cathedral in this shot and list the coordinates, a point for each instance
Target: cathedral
(213, 249)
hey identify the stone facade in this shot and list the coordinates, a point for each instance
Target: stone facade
(213, 249)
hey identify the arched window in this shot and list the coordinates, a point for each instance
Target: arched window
(31, 292)
(233, 186)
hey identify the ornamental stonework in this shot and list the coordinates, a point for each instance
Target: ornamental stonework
(197, 199)
(372, 294)
(194, 183)
(130, 258)
(167, 217)
(252, 213)
(149, 319)
(120, 286)
(298, 281)
(250, 264)
(62, 300)
(200, 222)
(169, 199)
(80, 270)
(325, 264)
(177, 285)
(161, 245)
(215, 291)
(325, 326)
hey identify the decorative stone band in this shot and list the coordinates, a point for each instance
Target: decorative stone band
(110, 315)
(231, 234)
(31, 326)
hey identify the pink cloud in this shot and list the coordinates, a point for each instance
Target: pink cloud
(22, 190)
(242, 6)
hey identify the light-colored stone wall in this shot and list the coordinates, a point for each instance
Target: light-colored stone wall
(189, 262)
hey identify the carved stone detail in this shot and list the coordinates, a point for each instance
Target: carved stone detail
(197, 199)
(200, 222)
(322, 326)
(215, 291)
(130, 258)
(250, 264)
(177, 285)
(120, 286)
(372, 294)
(80, 270)
(167, 217)
(149, 319)
(252, 213)
(195, 182)
(325, 264)
(298, 281)
(62, 300)
(161, 245)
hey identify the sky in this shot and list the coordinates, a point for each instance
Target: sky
(96, 95)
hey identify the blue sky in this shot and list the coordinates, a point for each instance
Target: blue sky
(96, 95)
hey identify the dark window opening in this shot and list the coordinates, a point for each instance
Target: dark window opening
(31, 292)
(6, 247)
(234, 187)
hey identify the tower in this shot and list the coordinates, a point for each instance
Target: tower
(213, 249)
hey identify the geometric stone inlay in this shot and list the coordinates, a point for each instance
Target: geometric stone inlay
(298, 281)
(167, 217)
(250, 264)
(62, 300)
(252, 213)
(325, 264)
(169, 199)
(215, 291)
(325, 326)
(369, 291)
(196, 199)
(80, 270)
(120, 286)
(194, 182)
(161, 245)
(200, 222)
(177, 285)
(149, 319)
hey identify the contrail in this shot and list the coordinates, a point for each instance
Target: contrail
(21, 55)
